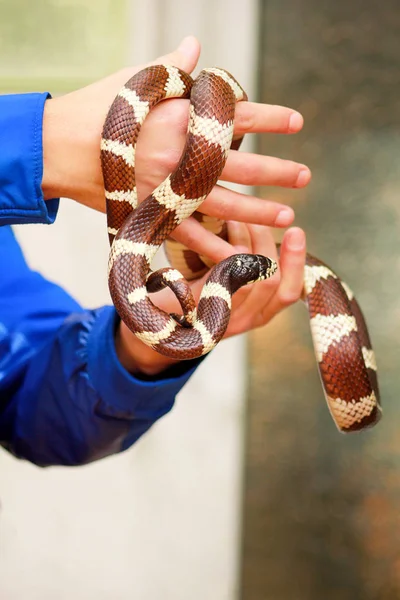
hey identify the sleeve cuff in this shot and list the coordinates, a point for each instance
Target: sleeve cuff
(21, 161)
(122, 394)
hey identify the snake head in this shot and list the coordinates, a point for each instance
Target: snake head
(249, 268)
(267, 267)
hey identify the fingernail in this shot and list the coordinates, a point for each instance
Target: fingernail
(185, 45)
(284, 217)
(303, 178)
(295, 239)
(295, 122)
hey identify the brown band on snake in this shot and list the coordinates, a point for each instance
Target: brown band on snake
(121, 131)
(171, 278)
(341, 341)
(213, 100)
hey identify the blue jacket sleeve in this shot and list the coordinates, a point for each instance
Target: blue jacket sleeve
(64, 397)
(21, 161)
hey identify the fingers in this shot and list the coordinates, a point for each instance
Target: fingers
(257, 304)
(239, 236)
(291, 262)
(185, 57)
(227, 204)
(160, 144)
(250, 300)
(253, 169)
(251, 117)
(231, 207)
(194, 236)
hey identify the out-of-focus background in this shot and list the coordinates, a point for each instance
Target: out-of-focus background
(246, 490)
(322, 510)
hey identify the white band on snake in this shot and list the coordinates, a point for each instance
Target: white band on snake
(340, 336)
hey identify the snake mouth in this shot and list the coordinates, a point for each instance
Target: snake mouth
(267, 267)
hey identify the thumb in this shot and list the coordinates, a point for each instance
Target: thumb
(185, 56)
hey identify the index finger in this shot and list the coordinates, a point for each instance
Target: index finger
(251, 117)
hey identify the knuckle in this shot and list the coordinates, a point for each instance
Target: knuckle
(244, 119)
(189, 236)
(260, 320)
(175, 113)
(168, 158)
(224, 209)
(248, 173)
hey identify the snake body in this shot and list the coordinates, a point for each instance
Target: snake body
(339, 332)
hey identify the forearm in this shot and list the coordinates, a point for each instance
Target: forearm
(71, 402)
(65, 397)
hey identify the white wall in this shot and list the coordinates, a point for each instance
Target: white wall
(163, 519)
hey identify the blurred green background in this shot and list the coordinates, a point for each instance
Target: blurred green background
(74, 42)
(322, 510)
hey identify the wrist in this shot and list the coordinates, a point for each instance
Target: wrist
(53, 182)
(69, 170)
(136, 357)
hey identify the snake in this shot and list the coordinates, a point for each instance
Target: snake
(136, 231)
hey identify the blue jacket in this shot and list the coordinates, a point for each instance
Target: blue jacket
(64, 397)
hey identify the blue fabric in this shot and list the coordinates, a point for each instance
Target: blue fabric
(21, 162)
(65, 399)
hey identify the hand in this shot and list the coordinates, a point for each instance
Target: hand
(252, 306)
(71, 140)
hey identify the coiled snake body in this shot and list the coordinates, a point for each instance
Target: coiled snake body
(340, 336)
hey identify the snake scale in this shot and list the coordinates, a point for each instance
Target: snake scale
(340, 336)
